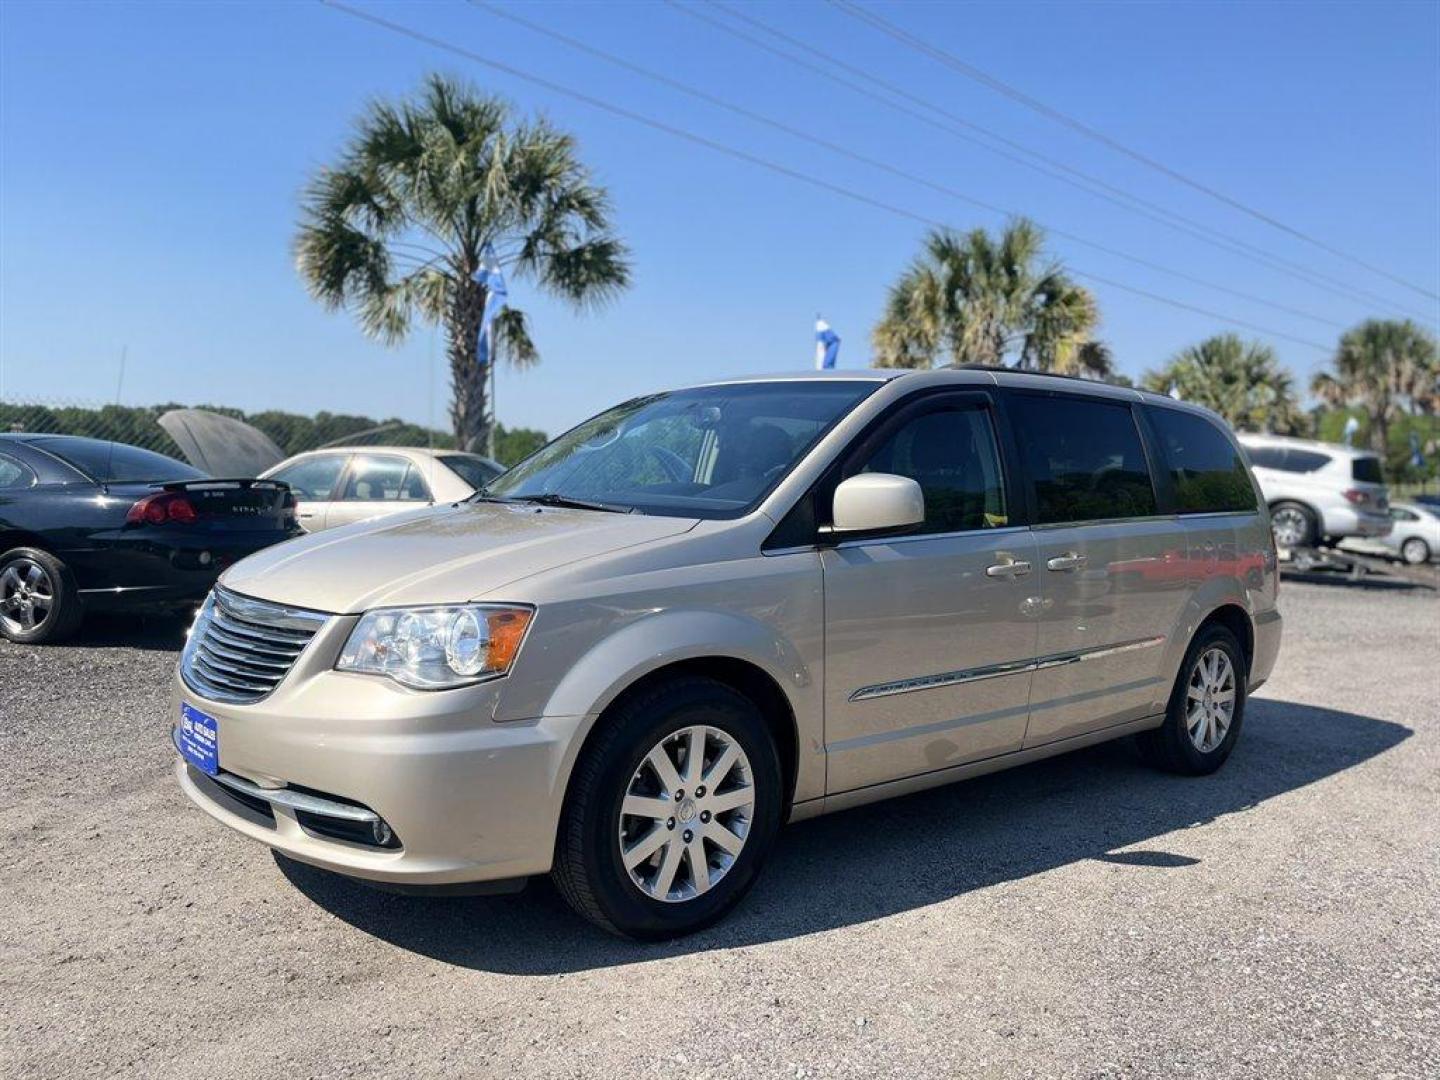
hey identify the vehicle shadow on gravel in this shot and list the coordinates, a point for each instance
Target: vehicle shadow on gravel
(907, 853)
(160, 633)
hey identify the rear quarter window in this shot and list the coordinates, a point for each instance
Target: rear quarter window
(1367, 470)
(1084, 457)
(1208, 473)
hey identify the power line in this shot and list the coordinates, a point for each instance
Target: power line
(746, 156)
(884, 166)
(1051, 167)
(973, 73)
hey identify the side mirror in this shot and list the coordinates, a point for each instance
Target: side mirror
(876, 503)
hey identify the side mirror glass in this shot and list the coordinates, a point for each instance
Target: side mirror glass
(877, 502)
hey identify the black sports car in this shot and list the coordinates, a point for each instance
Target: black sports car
(91, 525)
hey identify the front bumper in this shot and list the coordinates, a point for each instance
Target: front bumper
(468, 799)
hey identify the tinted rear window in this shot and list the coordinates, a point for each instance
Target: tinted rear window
(1367, 470)
(116, 463)
(1208, 473)
(472, 470)
(1085, 459)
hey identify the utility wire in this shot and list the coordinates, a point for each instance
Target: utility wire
(884, 166)
(746, 156)
(973, 73)
(865, 82)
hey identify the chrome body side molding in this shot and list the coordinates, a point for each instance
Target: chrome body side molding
(994, 671)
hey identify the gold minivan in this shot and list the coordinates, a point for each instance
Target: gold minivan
(706, 612)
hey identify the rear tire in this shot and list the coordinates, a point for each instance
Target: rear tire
(39, 604)
(1294, 525)
(1415, 551)
(619, 807)
(1198, 733)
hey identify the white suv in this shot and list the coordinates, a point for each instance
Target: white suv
(1319, 491)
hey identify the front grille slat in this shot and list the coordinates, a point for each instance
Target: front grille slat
(246, 644)
(242, 658)
(261, 665)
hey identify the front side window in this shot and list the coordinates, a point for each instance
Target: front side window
(951, 453)
(712, 451)
(1085, 459)
(313, 478)
(1395, 512)
(115, 463)
(381, 478)
(1208, 472)
(1266, 457)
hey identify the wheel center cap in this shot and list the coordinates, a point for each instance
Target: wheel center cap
(687, 810)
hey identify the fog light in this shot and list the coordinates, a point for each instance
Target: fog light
(381, 831)
(205, 558)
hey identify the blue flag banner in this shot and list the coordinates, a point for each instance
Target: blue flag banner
(488, 275)
(827, 345)
(1416, 457)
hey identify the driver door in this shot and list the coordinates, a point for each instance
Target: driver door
(930, 636)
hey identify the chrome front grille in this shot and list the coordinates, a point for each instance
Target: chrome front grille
(241, 648)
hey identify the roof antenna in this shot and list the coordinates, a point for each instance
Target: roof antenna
(110, 457)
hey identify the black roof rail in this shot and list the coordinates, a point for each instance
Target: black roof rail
(1051, 375)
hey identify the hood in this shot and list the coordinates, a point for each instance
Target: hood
(441, 556)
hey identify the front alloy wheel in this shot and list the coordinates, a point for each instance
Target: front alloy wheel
(686, 814)
(671, 810)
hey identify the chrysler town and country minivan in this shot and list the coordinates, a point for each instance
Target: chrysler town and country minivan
(706, 612)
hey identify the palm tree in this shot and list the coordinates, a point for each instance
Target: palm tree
(974, 298)
(1382, 366)
(398, 226)
(1242, 381)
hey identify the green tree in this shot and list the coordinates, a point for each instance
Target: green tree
(397, 227)
(982, 299)
(1242, 381)
(1386, 368)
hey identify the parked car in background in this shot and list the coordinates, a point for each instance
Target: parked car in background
(1415, 539)
(705, 612)
(1319, 492)
(344, 484)
(89, 525)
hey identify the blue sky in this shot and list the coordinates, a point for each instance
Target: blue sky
(151, 157)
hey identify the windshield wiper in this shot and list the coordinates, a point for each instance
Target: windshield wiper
(550, 498)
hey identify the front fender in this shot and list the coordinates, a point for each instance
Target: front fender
(669, 637)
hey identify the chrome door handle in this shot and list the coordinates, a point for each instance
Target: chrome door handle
(1069, 561)
(1012, 568)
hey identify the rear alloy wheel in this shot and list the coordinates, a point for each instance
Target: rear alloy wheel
(1293, 525)
(672, 810)
(38, 603)
(1415, 551)
(1207, 706)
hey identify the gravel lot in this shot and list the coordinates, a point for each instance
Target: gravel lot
(1079, 917)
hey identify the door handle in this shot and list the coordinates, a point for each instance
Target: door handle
(1010, 568)
(1071, 560)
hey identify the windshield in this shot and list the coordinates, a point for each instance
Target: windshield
(711, 452)
(116, 463)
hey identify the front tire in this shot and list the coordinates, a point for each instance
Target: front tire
(672, 810)
(38, 601)
(1206, 708)
(1415, 551)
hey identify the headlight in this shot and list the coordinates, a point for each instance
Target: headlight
(436, 647)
